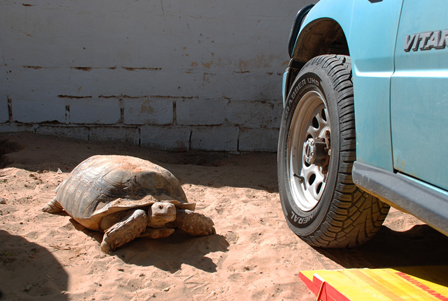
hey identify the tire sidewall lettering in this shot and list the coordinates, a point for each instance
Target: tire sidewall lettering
(301, 87)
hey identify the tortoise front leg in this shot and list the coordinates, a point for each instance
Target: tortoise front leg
(120, 232)
(194, 223)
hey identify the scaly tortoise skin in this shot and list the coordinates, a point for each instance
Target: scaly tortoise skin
(127, 197)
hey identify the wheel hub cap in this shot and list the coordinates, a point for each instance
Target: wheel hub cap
(315, 151)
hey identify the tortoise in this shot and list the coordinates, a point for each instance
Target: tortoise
(127, 197)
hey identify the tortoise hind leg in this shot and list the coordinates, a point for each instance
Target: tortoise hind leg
(125, 230)
(52, 206)
(194, 223)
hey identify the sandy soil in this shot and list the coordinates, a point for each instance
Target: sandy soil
(253, 256)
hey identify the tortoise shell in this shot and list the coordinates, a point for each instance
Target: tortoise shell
(102, 185)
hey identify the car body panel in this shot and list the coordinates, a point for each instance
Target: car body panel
(372, 62)
(371, 49)
(419, 98)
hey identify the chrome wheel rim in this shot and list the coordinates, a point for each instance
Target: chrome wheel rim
(310, 122)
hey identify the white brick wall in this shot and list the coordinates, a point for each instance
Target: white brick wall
(148, 111)
(169, 74)
(31, 110)
(166, 137)
(219, 138)
(201, 112)
(258, 139)
(76, 132)
(94, 111)
(126, 134)
(4, 112)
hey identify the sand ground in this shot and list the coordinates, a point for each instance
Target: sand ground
(253, 256)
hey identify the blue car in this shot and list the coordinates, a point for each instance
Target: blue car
(365, 119)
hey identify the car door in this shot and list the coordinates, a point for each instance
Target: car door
(419, 92)
(372, 39)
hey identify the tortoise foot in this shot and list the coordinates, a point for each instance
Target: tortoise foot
(124, 231)
(52, 206)
(194, 223)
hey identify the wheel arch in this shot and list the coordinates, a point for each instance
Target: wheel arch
(319, 37)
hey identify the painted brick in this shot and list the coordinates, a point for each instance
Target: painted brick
(118, 82)
(254, 114)
(122, 134)
(148, 111)
(94, 111)
(42, 110)
(258, 140)
(16, 127)
(244, 85)
(167, 138)
(201, 112)
(80, 133)
(219, 138)
(4, 112)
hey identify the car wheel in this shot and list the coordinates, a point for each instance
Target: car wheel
(316, 151)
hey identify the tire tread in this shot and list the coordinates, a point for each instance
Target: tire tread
(354, 216)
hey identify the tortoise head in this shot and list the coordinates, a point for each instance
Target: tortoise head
(161, 213)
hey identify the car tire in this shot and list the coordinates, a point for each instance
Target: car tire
(316, 151)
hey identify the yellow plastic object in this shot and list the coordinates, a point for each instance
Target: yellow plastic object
(401, 283)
